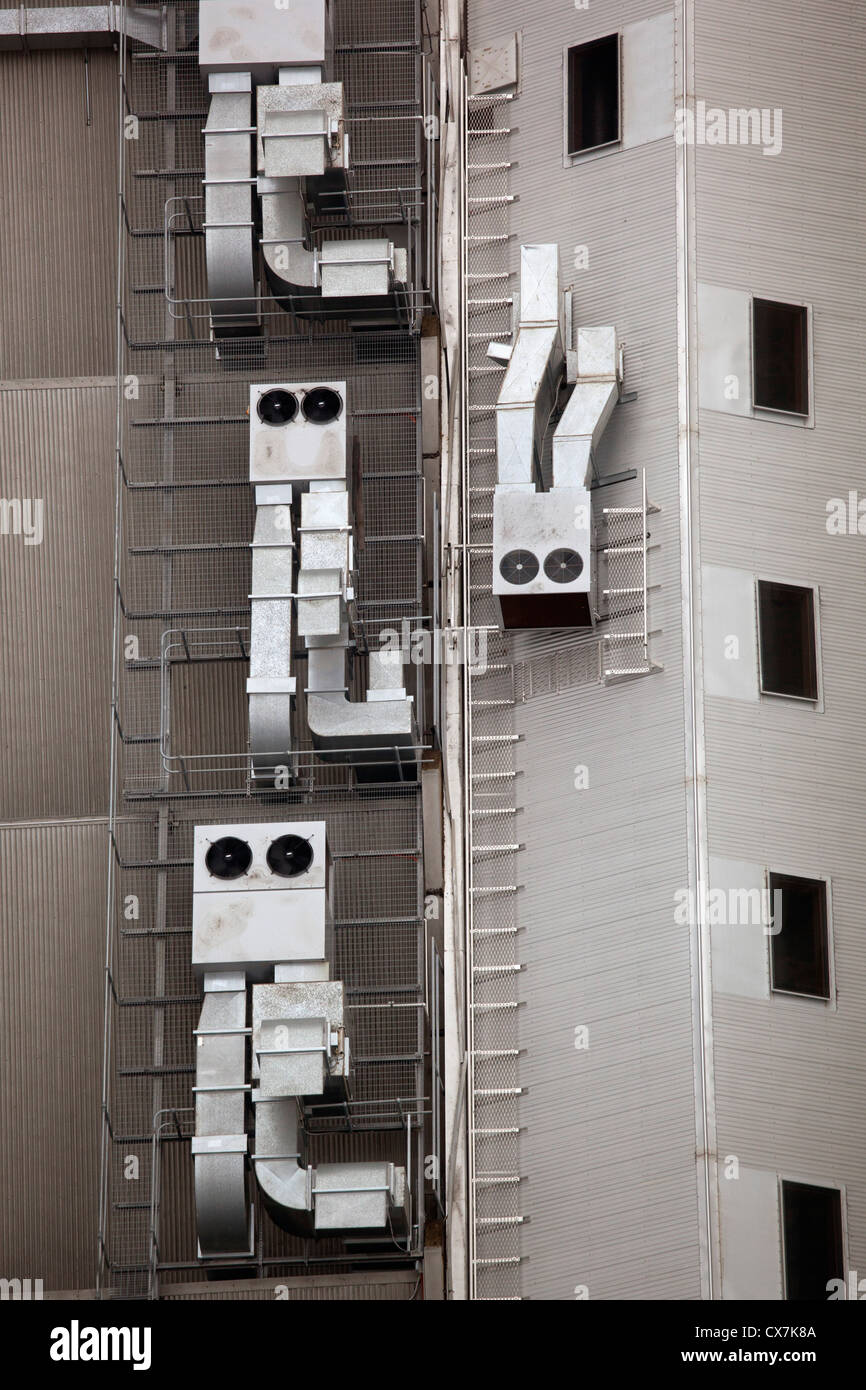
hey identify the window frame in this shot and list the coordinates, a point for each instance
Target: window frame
(800, 1181)
(765, 412)
(828, 1000)
(571, 157)
(816, 701)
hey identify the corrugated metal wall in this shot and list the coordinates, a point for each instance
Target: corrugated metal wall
(608, 1148)
(401, 1286)
(785, 784)
(52, 935)
(57, 410)
(58, 252)
(57, 444)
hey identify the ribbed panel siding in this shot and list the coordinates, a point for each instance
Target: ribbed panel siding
(610, 1131)
(608, 1144)
(58, 252)
(52, 903)
(57, 444)
(785, 784)
(401, 1286)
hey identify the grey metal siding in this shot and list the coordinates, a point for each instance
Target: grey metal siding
(58, 252)
(52, 933)
(57, 444)
(608, 1146)
(786, 784)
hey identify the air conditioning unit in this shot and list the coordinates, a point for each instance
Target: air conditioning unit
(542, 557)
(298, 432)
(259, 36)
(261, 896)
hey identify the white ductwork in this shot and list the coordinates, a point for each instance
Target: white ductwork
(531, 381)
(298, 446)
(590, 406)
(301, 155)
(542, 540)
(262, 915)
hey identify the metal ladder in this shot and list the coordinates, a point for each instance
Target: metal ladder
(626, 642)
(492, 846)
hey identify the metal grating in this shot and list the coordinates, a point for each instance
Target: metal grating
(182, 619)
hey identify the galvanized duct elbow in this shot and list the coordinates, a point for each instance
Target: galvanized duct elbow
(595, 393)
(529, 390)
(291, 269)
(285, 1186)
(378, 734)
(332, 1197)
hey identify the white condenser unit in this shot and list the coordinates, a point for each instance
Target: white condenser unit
(298, 432)
(261, 896)
(542, 553)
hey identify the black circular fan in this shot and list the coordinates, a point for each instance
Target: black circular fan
(563, 566)
(277, 407)
(228, 857)
(290, 856)
(321, 405)
(518, 567)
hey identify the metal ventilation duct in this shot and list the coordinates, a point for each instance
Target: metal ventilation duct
(229, 228)
(28, 27)
(262, 914)
(528, 391)
(542, 540)
(298, 450)
(301, 155)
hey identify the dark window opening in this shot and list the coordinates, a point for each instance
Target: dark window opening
(799, 951)
(593, 94)
(786, 622)
(781, 346)
(812, 1219)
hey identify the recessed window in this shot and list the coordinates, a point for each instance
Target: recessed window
(799, 948)
(812, 1222)
(786, 629)
(780, 334)
(593, 94)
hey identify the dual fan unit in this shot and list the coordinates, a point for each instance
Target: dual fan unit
(261, 894)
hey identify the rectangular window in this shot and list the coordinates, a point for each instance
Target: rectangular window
(799, 952)
(812, 1222)
(780, 337)
(786, 638)
(593, 94)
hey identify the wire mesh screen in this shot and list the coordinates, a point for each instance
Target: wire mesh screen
(185, 525)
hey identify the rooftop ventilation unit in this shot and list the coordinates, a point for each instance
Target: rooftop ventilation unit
(298, 432)
(298, 452)
(259, 896)
(262, 915)
(267, 67)
(543, 557)
(542, 540)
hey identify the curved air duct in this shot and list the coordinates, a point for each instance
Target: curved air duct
(358, 1197)
(294, 269)
(377, 735)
